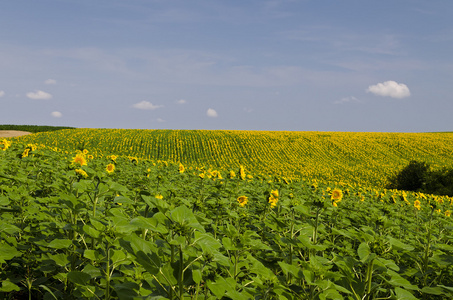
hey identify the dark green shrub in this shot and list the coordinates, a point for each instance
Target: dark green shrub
(439, 182)
(410, 178)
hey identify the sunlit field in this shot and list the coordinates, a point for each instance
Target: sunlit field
(160, 214)
(352, 157)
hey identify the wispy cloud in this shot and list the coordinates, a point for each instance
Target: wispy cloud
(391, 89)
(145, 105)
(181, 101)
(211, 113)
(350, 99)
(2, 93)
(39, 95)
(56, 114)
(50, 81)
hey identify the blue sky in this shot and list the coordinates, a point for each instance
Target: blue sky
(307, 65)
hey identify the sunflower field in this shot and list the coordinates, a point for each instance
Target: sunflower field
(88, 224)
(352, 157)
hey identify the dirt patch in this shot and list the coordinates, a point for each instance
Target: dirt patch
(12, 133)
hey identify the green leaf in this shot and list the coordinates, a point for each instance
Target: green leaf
(402, 294)
(207, 242)
(433, 290)
(185, 218)
(92, 270)
(448, 288)
(78, 277)
(9, 228)
(196, 275)
(8, 286)
(399, 245)
(228, 244)
(60, 259)
(330, 294)
(397, 280)
(309, 276)
(151, 262)
(48, 290)
(218, 287)
(60, 244)
(149, 223)
(91, 231)
(161, 204)
(126, 290)
(7, 252)
(123, 200)
(364, 253)
(4, 201)
(91, 254)
(118, 257)
(98, 225)
(290, 269)
(118, 188)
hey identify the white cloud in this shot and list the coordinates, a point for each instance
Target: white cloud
(347, 100)
(50, 81)
(181, 101)
(39, 95)
(2, 93)
(145, 105)
(211, 113)
(160, 120)
(390, 89)
(56, 114)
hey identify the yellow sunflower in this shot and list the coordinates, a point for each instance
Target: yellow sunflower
(242, 201)
(79, 159)
(110, 168)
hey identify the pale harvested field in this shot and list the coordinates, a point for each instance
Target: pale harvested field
(12, 133)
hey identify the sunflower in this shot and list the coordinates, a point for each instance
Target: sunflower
(25, 153)
(4, 144)
(273, 201)
(242, 201)
(79, 159)
(81, 172)
(242, 172)
(447, 213)
(159, 196)
(232, 174)
(181, 168)
(110, 168)
(274, 193)
(336, 195)
(417, 204)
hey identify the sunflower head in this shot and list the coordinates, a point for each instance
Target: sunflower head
(242, 201)
(110, 168)
(336, 195)
(79, 159)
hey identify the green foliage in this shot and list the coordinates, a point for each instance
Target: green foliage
(148, 231)
(417, 176)
(439, 182)
(410, 178)
(33, 128)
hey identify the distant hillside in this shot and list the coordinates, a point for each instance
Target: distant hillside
(33, 128)
(352, 157)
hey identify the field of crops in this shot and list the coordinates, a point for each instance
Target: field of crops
(76, 226)
(352, 157)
